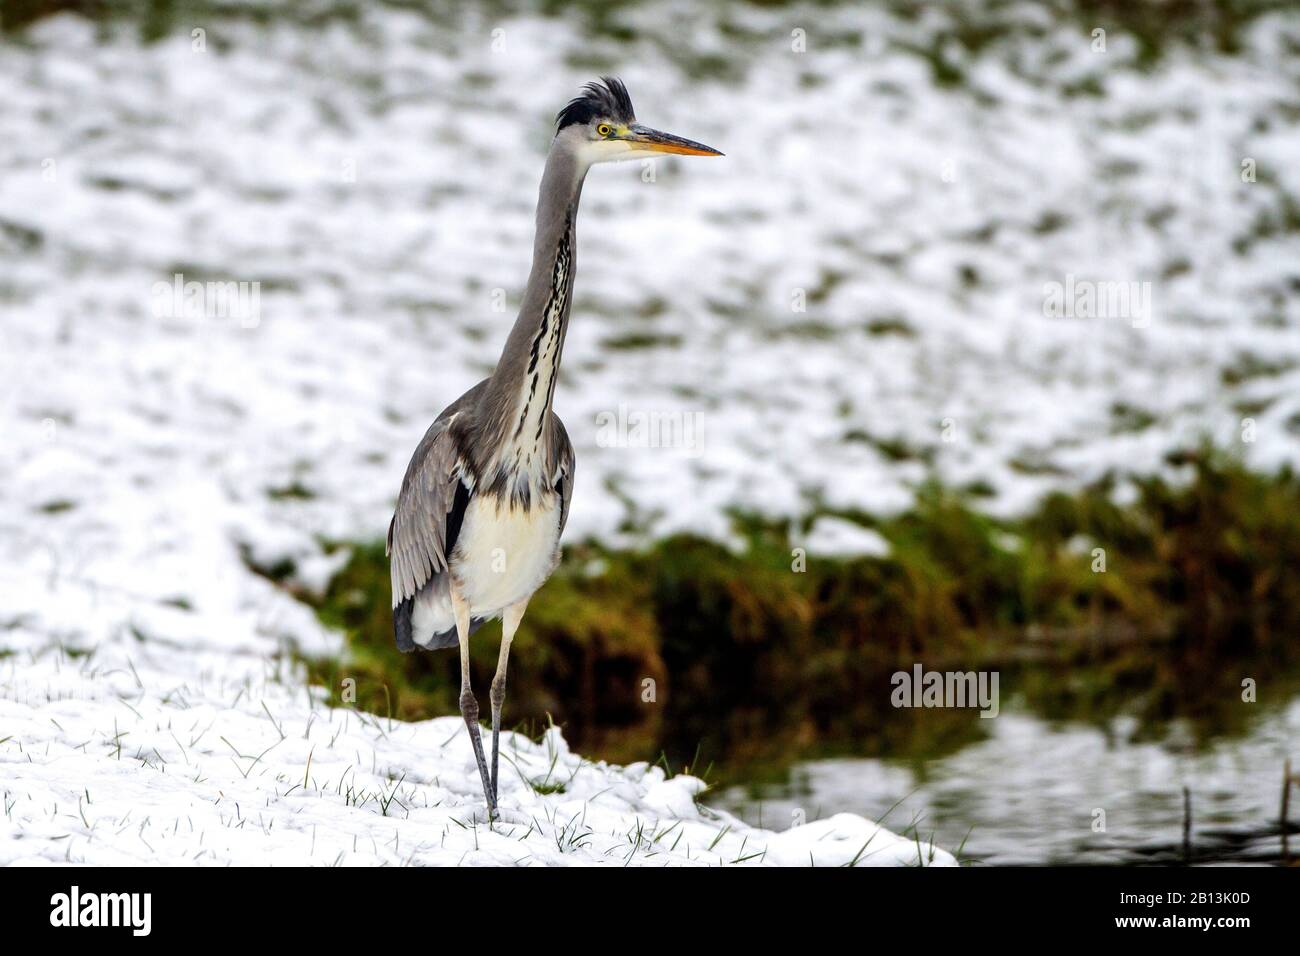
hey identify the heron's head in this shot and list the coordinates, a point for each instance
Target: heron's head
(600, 127)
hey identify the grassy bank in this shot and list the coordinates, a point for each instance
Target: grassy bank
(689, 648)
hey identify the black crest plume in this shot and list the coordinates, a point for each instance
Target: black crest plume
(608, 98)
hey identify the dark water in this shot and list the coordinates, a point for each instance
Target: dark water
(1030, 792)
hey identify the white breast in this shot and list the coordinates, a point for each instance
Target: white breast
(504, 554)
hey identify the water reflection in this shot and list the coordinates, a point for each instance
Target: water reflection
(1031, 790)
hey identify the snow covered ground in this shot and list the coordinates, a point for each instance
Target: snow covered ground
(113, 759)
(853, 299)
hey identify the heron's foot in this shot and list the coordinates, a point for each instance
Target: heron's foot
(469, 710)
(504, 816)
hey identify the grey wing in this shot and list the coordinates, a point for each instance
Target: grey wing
(563, 463)
(417, 535)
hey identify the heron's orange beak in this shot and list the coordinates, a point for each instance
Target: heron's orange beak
(660, 142)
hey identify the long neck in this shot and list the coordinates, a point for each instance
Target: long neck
(517, 403)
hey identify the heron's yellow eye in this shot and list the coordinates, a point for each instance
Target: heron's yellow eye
(604, 129)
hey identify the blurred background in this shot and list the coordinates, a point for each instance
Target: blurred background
(885, 438)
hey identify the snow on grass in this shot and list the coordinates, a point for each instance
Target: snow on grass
(837, 537)
(106, 760)
(382, 210)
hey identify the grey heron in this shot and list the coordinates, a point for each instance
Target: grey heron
(486, 495)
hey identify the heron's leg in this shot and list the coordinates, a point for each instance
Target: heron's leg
(468, 705)
(509, 624)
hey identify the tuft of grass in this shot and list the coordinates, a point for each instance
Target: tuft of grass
(891, 325)
(632, 341)
(293, 491)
